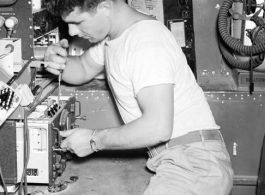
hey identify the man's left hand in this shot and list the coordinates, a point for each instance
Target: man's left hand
(77, 141)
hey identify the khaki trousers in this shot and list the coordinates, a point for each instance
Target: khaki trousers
(201, 168)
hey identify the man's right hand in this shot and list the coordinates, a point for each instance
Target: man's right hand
(57, 57)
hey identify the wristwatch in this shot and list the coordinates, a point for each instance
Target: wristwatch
(93, 143)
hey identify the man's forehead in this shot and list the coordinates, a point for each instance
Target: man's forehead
(72, 16)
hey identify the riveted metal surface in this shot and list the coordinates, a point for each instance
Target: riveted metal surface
(98, 106)
(213, 73)
(235, 96)
(240, 116)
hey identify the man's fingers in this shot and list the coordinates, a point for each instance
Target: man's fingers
(64, 144)
(55, 65)
(66, 133)
(54, 68)
(64, 43)
(58, 59)
(53, 71)
(58, 50)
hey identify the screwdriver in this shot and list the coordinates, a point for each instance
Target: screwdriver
(59, 92)
(60, 79)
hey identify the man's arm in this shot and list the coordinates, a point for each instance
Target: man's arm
(154, 126)
(76, 69)
(81, 69)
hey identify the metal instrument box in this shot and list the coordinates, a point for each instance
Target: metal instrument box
(46, 162)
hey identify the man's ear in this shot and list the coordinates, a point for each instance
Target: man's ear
(105, 7)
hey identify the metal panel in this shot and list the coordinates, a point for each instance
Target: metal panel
(97, 105)
(24, 28)
(208, 56)
(240, 116)
(8, 152)
(243, 190)
(212, 71)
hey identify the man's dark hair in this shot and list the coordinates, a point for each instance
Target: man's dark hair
(67, 6)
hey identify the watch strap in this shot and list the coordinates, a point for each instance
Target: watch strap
(93, 143)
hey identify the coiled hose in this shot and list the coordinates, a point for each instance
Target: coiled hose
(239, 64)
(235, 45)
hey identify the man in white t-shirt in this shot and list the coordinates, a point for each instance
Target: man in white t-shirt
(160, 102)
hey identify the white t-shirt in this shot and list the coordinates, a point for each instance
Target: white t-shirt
(147, 54)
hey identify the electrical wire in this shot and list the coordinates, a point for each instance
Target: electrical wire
(37, 97)
(33, 77)
(11, 81)
(3, 182)
(251, 87)
(26, 153)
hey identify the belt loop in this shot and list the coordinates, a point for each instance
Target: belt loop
(149, 152)
(221, 136)
(167, 145)
(154, 149)
(202, 137)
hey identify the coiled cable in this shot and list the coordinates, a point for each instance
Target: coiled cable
(235, 44)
